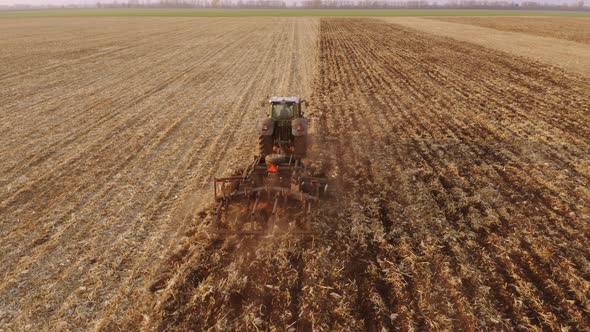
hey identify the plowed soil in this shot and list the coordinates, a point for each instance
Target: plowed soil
(464, 185)
(459, 176)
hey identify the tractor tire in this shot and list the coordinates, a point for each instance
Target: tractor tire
(265, 145)
(300, 144)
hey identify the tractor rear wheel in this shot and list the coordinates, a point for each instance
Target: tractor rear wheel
(265, 145)
(300, 143)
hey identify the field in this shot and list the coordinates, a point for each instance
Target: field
(574, 29)
(460, 178)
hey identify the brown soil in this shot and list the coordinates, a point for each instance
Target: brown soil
(462, 185)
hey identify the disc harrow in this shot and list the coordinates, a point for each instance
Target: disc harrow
(269, 198)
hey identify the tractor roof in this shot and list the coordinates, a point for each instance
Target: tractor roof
(286, 99)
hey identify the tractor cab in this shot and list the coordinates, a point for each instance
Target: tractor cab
(284, 128)
(285, 108)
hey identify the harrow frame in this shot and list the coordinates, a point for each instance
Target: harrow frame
(285, 183)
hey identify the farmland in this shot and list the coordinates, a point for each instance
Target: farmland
(574, 29)
(459, 176)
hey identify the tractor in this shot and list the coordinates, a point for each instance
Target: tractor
(284, 130)
(277, 187)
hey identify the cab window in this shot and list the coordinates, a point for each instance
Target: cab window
(283, 111)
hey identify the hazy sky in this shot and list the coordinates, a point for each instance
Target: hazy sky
(47, 2)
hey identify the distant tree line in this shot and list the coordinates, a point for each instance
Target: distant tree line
(320, 4)
(343, 4)
(269, 4)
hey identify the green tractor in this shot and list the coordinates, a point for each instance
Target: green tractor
(284, 130)
(277, 188)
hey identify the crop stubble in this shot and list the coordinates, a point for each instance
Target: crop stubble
(101, 150)
(574, 29)
(459, 178)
